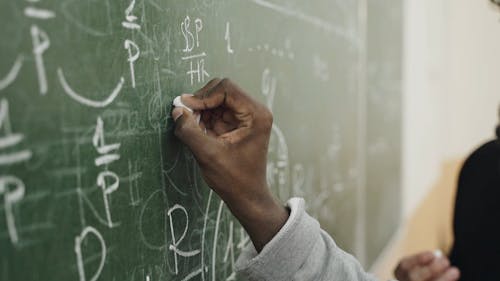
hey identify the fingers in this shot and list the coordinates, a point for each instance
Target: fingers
(218, 93)
(212, 83)
(451, 274)
(409, 263)
(436, 268)
(203, 146)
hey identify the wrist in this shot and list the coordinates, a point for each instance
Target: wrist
(262, 216)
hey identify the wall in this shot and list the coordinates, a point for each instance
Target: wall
(451, 99)
(451, 86)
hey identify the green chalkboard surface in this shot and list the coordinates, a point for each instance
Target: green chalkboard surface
(93, 184)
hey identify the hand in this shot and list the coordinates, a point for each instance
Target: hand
(230, 144)
(426, 266)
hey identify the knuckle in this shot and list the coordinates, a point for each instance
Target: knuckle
(265, 118)
(227, 86)
(213, 80)
(225, 82)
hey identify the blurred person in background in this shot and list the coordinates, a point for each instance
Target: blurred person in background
(476, 224)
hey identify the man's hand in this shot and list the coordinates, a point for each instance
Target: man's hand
(426, 267)
(230, 144)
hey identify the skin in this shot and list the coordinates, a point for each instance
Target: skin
(426, 266)
(230, 144)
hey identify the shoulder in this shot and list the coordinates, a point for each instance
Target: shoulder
(485, 158)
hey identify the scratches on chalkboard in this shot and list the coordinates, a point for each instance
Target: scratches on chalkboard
(141, 225)
(306, 18)
(156, 5)
(86, 200)
(12, 74)
(100, 9)
(172, 183)
(216, 237)
(133, 181)
(204, 231)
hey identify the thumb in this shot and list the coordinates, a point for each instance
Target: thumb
(192, 135)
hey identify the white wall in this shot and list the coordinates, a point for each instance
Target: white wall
(474, 74)
(451, 86)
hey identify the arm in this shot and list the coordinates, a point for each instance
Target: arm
(230, 144)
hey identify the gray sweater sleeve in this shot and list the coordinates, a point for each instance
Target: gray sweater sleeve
(300, 251)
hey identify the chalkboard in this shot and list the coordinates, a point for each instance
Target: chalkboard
(93, 183)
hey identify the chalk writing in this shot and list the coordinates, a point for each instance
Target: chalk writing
(11, 187)
(230, 252)
(283, 53)
(86, 101)
(38, 13)
(78, 250)
(131, 47)
(268, 87)
(192, 41)
(11, 197)
(227, 37)
(133, 55)
(108, 155)
(176, 241)
(10, 139)
(130, 18)
(41, 43)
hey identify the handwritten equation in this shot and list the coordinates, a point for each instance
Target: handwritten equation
(120, 168)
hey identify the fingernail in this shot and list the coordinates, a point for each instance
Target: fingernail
(438, 253)
(176, 113)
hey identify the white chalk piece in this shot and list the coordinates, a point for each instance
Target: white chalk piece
(178, 103)
(438, 254)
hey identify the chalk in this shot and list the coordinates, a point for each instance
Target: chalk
(178, 103)
(438, 253)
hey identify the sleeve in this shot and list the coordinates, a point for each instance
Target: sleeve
(300, 251)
